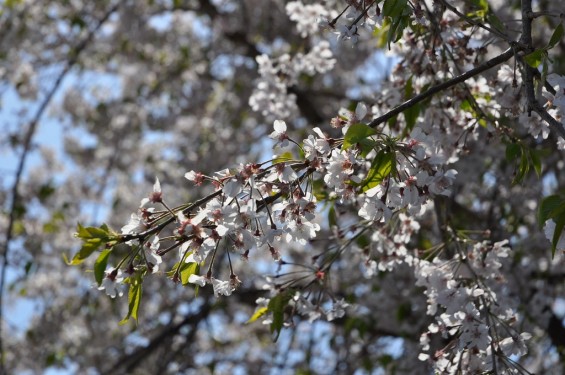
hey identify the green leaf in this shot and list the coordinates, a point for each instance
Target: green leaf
(394, 8)
(381, 167)
(548, 205)
(332, 217)
(524, 167)
(284, 157)
(559, 225)
(535, 58)
(356, 133)
(173, 270)
(411, 116)
(258, 313)
(103, 232)
(396, 29)
(466, 106)
(527, 159)
(363, 241)
(512, 151)
(385, 360)
(557, 211)
(88, 247)
(45, 191)
(276, 306)
(134, 298)
(188, 269)
(319, 190)
(12, 3)
(555, 37)
(76, 20)
(495, 21)
(366, 145)
(100, 265)
(536, 162)
(482, 10)
(403, 311)
(380, 33)
(408, 89)
(356, 324)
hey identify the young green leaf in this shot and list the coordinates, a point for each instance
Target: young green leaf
(536, 161)
(381, 167)
(411, 116)
(535, 58)
(555, 37)
(332, 217)
(356, 133)
(547, 206)
(559, 225)
(188, 269)
(100, 265)
(172, 271)
(86, 233)
(495, 21)
(88, 247)
(396, 29)
(394, 8)
(134, 298)
(408, 89)
(258, 313)
(92, 238)
(276, 306)
(512, 151)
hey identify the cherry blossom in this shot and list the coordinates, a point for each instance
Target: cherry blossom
(399, 211)
(112, 283)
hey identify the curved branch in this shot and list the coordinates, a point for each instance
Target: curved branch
(128, 363)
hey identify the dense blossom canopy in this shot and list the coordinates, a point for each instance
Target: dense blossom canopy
(269, 186)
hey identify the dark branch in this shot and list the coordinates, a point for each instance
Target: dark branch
(445, 85)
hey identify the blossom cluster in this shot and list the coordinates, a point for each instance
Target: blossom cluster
(263, 207)
(306, 16)
(388, 176)
(512, 102)
(271, 96)
(473, 314)
(233, 215)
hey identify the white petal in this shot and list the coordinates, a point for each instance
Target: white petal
(195, 279)
(190, 176)
(232, 188)
(360, 111)
(319, 132)
(280, 126)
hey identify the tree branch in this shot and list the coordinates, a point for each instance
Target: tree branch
(506, 55)
(129, 362)
(529, 73)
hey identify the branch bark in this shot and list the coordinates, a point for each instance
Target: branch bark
(529, 72)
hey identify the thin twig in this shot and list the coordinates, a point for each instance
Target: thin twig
(533, 15)
(476, 23)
